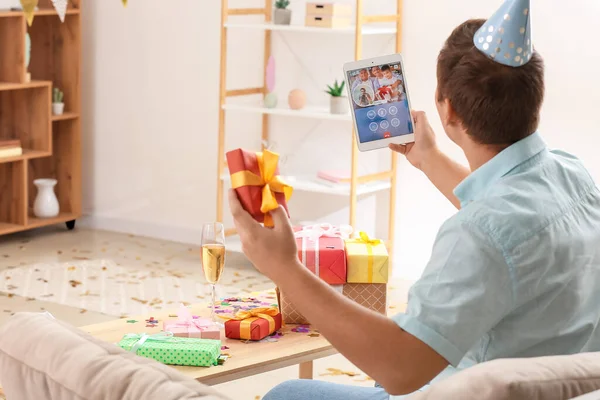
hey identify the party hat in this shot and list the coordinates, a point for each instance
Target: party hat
(506, 36)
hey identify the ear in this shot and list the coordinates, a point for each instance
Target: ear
(450, 117)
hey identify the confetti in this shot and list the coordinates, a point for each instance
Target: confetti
(237, 274)
(8, 278)
(256, 397)
(150, 326)
(74, 283)
(392, 307)
(301, 329)
(83, 311)
(367, 378)
(338, 372)
(10, 295)
(172, 315)
(7, 311)
(5, 256)
(47, 295)
(222, 347)
(131, 321)
(314, 335)
(139, 300)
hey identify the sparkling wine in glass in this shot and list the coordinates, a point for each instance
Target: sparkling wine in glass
(213, 258)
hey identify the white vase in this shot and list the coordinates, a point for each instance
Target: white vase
(339, 105)
(58, 108)
(46, 203)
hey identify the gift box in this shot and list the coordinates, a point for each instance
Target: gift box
(253, 324)
(367, 260)
(370, 295)
(256, 180)
(170, 350)
(192, 327)
(321, 250)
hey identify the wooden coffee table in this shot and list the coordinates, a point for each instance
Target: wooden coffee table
(247, 359)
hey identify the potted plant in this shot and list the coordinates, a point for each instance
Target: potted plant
(58, 107)
(338, 102)
(282, 16)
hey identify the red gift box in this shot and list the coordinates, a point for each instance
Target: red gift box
(321, 249)
(254, 324)
(255, 178)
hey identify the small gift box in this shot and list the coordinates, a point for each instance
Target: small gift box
(321, 250)
(254, 324)
(170, 350)
(370, 295)
(256, 180)
(367, 260)
(187, 326)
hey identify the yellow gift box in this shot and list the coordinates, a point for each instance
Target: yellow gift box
(367, 260)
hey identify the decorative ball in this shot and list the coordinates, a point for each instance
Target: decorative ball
(270, 100)
(297, 99)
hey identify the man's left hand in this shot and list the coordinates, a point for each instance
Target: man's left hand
(270, 250)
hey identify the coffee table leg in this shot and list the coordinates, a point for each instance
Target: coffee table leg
(306, 370)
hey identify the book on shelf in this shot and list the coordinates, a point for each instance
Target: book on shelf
(335, 176)
(10, 148)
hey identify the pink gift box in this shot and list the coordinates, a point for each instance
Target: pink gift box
(188, 326)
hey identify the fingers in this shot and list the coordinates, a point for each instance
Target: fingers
(398, 148)
(419, 116)
(281, 220)
(243, 220)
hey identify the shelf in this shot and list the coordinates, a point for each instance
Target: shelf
(10, 228)
(316, 185)
(367, 29)
(307, 112)
(27, 155)
(35, 222)
(65, 116)
(19, 86)
(39, 13)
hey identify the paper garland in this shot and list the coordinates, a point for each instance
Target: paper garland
(61, 8)
(29, 9)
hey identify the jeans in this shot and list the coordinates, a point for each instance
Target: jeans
(303, 389)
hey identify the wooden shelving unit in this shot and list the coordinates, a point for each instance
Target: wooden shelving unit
(232, 18)
(51, 144)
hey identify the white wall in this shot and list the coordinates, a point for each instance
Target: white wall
(151, 94)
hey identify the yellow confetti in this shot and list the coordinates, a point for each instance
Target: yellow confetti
(72, 268)
(338, 372)
(392, 307)
(74, 283)
(366, 379)
(83, 311)
(104, 268)
(314, 335)
(256, 397)
(138, 258)
(237, 274)
(103, 250)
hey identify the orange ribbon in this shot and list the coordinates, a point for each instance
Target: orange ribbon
(367, 241)
(270, 183)
(247, 317)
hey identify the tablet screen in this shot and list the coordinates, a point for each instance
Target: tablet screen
(379, 102)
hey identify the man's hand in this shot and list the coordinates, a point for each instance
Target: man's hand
(424, 146)
(270, 250)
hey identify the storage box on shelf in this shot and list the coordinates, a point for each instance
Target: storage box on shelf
(328, 15)
(51, 144)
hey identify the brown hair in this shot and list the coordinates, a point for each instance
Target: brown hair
(496, 104)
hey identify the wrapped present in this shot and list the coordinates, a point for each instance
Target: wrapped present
(367, 260)
(370, 295)
(321, 250)
(170, 350)
(256, 180)
(254, 324)
(192, 327)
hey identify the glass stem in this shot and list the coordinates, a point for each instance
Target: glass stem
(214, 302)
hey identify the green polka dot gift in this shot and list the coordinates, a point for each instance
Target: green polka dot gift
(170, 350)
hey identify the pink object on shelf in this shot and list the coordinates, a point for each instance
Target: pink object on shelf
(335, 176)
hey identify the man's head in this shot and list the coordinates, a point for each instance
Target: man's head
(364, 75)
(363, 90)
(377, 72)
(387, 71)
(483, 101)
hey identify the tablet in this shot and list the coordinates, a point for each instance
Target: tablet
(380, 105)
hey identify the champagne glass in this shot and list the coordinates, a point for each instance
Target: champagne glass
(213, 259)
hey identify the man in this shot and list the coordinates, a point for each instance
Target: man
(365, 79)
(515, 273)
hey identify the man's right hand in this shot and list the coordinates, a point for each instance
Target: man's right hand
(424, 146)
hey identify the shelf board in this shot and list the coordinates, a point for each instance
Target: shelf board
(65, 116)
(307, 112)
(19, 86)
(34, 222)
(6, 228)
(316, 185)
(39, 13)
(27, 155)
(366, 30)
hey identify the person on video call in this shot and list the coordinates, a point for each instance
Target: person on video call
(365, 79)
(514, 273)
(365, 98)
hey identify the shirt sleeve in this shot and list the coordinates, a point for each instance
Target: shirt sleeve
(464, 292)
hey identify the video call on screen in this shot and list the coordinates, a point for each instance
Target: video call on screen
(380, 104)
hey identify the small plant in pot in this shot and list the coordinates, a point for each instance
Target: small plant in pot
(282, 16)
(58, 107)
(338, 102)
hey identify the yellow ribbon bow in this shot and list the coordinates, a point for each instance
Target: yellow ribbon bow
(270, 183)
(247, 317)
(366, 240)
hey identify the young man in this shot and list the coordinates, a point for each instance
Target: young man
(515, 273)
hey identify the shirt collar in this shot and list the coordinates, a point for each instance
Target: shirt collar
(504, 162)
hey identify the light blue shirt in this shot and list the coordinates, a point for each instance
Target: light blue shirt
(516, 272)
